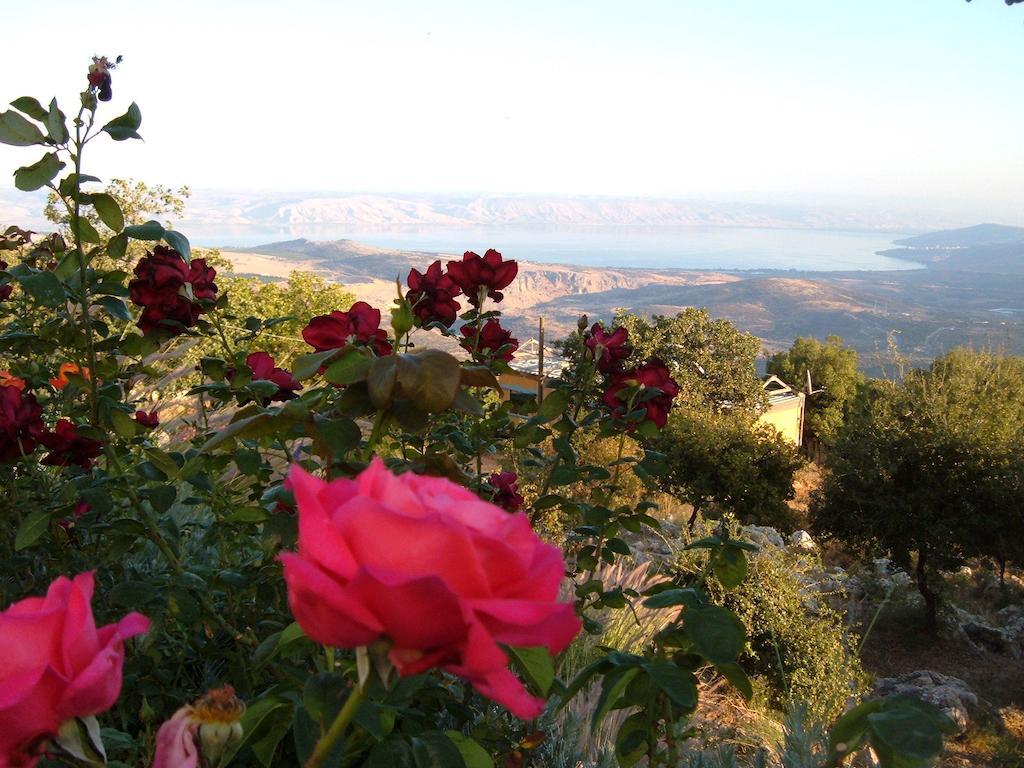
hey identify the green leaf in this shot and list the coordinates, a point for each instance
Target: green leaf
(680, 686)
(536, 665)
(734, 674)
(126, 126)
(31, 528)
(673, 597)
(55, 123)
(563, 475)
(87, 232)
(109, 211)
(179, 242)
(117, 246)
(432, 749)
(350, 367)
(44, 287)
(473, 755)
(631, 741)
(151, 230)
(305, 366)
(730, 566)
(391, 753)
(261, 723)
(115, 306)
(717, 633)
(339, 435)
(553, 406)
(123, 424)
(39, 174)
(16, 131)
(612, 688)
(161, 497)
(30, 107)
(911, 728)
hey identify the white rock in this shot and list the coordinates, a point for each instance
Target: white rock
(802, 540)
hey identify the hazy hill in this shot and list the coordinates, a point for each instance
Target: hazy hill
(929, 310)
(992, 248)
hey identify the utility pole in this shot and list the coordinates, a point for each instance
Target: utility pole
(540, 362)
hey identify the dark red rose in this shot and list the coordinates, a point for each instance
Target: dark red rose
(21, 423)
(5, 290)
(495, 342)
(67, 447)
(149, 420)
(359, 324)
(99, 77)
(609, 349)
(651, 375)
(263, 369)
(506, 491)
(432, 295)
(167, 289)
(81, 508)
(475, 272)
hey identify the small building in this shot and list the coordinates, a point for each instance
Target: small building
(532, 366)
(785, 409)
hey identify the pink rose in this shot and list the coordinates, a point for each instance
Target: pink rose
(57, 665)
(205, 728)
(433, 569)
(176, 745)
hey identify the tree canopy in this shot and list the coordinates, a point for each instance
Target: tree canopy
(932, 465)
(712, 360)
(834, 377)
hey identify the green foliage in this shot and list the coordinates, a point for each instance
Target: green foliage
(723, 462)
(932, 465)
(800, 647)
(713, 361)
(834, 377)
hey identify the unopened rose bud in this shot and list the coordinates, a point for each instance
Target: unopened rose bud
(582, 323)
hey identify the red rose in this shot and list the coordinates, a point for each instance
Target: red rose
(432, 295)
(429, 566)
(651, 375)
(495, 342)
(5, 290)
(490, 272)
(609, 349)
(99, 77)
(149, 420)
(263, 369)
(167, 289)
(21, 423)
(57, 665)
(506, 491)
(359, 324)
(67, 447)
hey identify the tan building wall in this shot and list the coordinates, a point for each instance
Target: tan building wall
(787, 417)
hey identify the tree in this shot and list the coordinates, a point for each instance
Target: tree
(139, 202)
(834, 375)
(931, 466)
(725, 461)
(713, 361)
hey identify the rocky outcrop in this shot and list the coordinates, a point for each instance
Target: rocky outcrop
(950, 694)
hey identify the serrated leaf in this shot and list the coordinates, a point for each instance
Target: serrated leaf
(32, 177)
(151, 231)
(30, 107)
(55, 123)
(44, 287)
(553, 406)
(16, 131)
(126, 126)
(716, 632)
(536, 665)
(31, 529)
(180, 243)
(109, 211)
(306, 366)
(612, 688)
(472, 753)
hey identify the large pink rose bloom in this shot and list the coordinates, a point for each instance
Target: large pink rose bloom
(427, 565)
(56, 665)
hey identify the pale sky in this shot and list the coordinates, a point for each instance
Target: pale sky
(824, 101)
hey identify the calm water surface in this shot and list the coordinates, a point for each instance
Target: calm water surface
(649, 247)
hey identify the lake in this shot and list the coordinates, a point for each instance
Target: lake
(729, 248)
